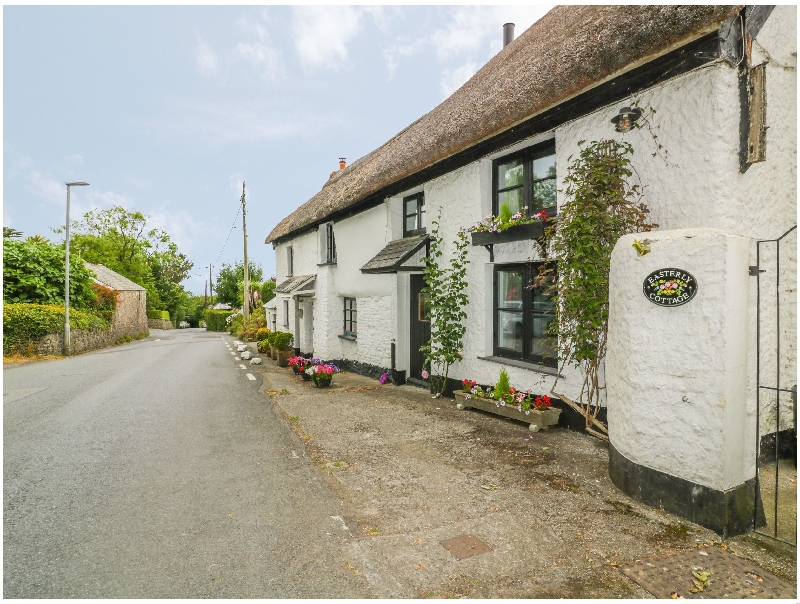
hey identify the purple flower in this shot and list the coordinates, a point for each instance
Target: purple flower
(424, 375)
(503, 403)
(384, 378)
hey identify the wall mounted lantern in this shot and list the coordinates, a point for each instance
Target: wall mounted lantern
(626, 118)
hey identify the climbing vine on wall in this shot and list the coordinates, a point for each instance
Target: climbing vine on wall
(601, 207)
(446, 285)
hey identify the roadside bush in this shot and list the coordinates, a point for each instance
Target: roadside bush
(237, 325)
(158, 314)
(33, 271)
(106, 302)
(215, 320)
(282, 340)
(23, 323)
(262, 334)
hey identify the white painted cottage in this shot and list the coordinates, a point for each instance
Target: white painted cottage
(722, 80)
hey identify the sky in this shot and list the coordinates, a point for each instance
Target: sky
(167, 110)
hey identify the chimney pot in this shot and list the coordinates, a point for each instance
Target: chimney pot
(342, 163)
(508, 34)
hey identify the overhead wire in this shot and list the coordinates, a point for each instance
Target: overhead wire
(233, 226)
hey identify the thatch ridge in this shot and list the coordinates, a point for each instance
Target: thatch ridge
(569, 50)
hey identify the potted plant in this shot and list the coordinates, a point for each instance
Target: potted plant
(282, 343)
(506, 401)
(299, 365)
(322, 373)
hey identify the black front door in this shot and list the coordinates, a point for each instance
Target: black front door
(420, 325)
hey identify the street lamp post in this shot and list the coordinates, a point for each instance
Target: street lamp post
(67, 342)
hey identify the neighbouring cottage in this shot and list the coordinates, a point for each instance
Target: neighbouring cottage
(685, 385)
(130, 317)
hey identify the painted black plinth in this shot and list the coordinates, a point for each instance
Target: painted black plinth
(728, 513)
(519, 232)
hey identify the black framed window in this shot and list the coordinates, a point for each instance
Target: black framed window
(286, 313)
(330, 244)
(526, 179)
(414, 219)
(350, 317)
(522, 315)
(289, 261)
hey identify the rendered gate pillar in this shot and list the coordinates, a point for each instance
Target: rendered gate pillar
(681, 434)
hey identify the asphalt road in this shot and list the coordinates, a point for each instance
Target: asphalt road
(156, 469)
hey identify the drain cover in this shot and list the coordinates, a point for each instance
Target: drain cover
(465, 546)
(730, 576)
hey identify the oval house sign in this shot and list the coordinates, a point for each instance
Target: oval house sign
(669, 287)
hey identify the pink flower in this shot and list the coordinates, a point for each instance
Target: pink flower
(424, 375)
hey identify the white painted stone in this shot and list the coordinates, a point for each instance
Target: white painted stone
(241, 347)
(255, 361)
(677, 377)
(245, 355)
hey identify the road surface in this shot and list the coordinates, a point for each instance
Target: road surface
(156, 469)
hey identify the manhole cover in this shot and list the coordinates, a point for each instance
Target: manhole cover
(728, 576)
(465, 546)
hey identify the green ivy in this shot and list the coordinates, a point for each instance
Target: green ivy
(23, 323)
(446, 286)
(601, 207)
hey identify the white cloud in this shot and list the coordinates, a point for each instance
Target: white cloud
(394, 53)
(323, 32)
(453, 79)
(265, 59)
(234, 123)
(206, 58)
(183, 229)
(75, 159)
(46, 188)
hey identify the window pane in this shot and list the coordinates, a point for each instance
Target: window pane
(544, 167)
(513, 198)
(509, 174)
(424, 307)
(544, 194)
(422, 222)
(411, 223)
(509, 288)
(509, 330)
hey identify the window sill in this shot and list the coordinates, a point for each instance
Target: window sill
(518, 232)
(327, 264)
(522, 365)
(348, 337)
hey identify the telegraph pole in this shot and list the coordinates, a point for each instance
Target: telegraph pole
(210, 284)
(246, 297)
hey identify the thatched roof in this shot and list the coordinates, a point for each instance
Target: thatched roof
(568, 51)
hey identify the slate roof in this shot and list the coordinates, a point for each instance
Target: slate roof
(272, 303)
(394, 254)
(570, 50)
(293, 283)
(115, 281)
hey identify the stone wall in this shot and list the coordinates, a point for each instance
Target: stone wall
(130, 316)
(160, 324)
(81, 340)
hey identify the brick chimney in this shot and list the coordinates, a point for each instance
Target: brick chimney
(342, 163)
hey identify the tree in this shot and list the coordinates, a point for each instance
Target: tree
(268, 290)
(169, 268)
(230, 282)
(9, 233)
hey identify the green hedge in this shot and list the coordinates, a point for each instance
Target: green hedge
(158, 314)
(215, 320)
(23, 323)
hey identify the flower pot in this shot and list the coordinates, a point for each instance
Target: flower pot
(297, 370)
(322, 381)
(273, 352)
(283, 357)
(536, 420)
(305, 376)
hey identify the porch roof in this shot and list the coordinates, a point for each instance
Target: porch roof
(389, 259)
(294, 283)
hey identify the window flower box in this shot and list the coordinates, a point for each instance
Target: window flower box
(536, 420)
(517, 232)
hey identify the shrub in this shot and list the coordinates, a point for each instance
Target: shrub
(106, 302)
(23, 323)
(158, 314)
(282, 340)
(262, 334)
(215, 320)
(502, 388)
(33, 271)
(236, 325)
